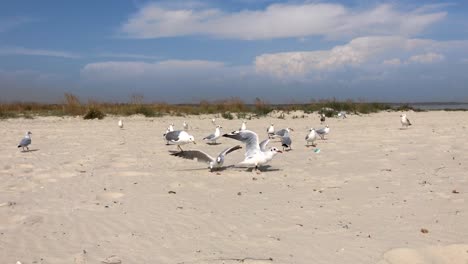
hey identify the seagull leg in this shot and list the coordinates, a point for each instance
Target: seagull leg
(178, 146)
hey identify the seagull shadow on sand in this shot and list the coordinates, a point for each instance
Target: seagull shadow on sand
(31, 150)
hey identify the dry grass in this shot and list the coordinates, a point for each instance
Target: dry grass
(72, 106)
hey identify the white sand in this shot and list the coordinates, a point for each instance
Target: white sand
(91, 192)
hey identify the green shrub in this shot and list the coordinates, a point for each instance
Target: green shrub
(227, 115)
(94, 113)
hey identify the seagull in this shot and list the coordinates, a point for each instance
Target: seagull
(322, 118)
(283, 132)
(342, 114)
(243, 126)
(120, 123)
(214, 163)
(169, 129)
(213, 121)
(213, 137)
(271, 130)
(255, 154)
(405, 121)
(286, 141)
(179, 137)
(323, 131)
(185, 126)
(24, 143)
(311, 137)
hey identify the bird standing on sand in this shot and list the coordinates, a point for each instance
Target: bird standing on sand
(185, 126)
(201, 156)
(323, 131)
(213, 137)
(405, 121)
(120, 123)
(256, 153)
(213, 121)
(26, 141)
(179, 137)
(286, 141)
(311, 137)
(271, 130)
(322, 118)
(243, 126)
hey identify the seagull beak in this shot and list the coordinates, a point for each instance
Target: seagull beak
(194, 142)
(279, 151)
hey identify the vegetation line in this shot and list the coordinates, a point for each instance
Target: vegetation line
(227, 108)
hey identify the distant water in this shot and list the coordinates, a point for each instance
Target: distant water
(434, 106)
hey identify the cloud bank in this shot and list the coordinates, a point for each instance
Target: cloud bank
(278, 21)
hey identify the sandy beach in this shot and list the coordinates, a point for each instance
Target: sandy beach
(89, 192)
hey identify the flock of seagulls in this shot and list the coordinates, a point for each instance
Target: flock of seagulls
(256, 153)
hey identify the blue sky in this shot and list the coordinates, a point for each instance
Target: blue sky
(281, 51)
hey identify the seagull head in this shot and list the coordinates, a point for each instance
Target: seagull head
(29, 133)
(275, 151)
(218, 126)
(192, 139)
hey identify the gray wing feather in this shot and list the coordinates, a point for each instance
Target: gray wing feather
(229, 150)
(172, 136)
(281, 132)
(263, 144)
(286, 141)
(248, 137)
(209, 137)
(320, 131)
(194, 154)
(25, 142)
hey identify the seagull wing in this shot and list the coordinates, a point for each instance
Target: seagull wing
(194, 154)
(25, 141)
(229, 150)
(172, 135)
(263, 144)
(320, 131)
(209, 137)
(281, 132)
(248, 137)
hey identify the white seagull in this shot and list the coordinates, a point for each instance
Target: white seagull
(179, 137)
(185, 126)
(311, 137)
(200, 156)
(243, 126)
(256, 153)
(120, 123)
(213, 121)
(323, 131)
(271, 130)
(26, 141)
(213, 137)
(405, 121)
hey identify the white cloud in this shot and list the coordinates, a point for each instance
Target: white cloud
(395, 62)
(278, 21)
(111, 70)
(36, 52)
(128, 56)
(356, 52)
(430, 57)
